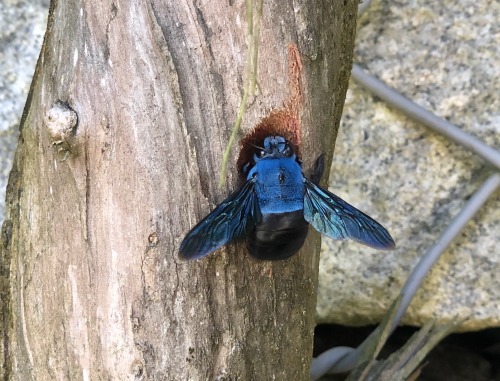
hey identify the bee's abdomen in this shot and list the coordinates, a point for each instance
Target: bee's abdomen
(278, 235)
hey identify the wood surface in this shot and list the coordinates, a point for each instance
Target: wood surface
(91, 287)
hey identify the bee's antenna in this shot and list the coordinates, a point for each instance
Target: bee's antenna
(255, 146)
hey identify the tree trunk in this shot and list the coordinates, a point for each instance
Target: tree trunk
(91, 287)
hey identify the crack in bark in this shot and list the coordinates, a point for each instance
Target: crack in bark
(22, 317)
(207, 32)
(5, 296)
(114, 12)
(88, 232)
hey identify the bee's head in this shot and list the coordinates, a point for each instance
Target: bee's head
(274, 147)
(275, 136)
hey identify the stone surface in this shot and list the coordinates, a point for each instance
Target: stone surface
(21, 33)
(446, 57)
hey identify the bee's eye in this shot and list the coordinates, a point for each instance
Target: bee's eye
(261, 153)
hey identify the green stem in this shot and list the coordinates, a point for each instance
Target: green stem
(251, 58)
(256, 45)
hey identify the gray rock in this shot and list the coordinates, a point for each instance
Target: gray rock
(23, 26)
(445, 57)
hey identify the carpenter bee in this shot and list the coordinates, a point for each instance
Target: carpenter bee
(275, 205)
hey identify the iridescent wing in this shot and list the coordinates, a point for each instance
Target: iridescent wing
(335, 218)
(232, 219)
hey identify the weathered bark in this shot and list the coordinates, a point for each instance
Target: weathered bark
(91, 286)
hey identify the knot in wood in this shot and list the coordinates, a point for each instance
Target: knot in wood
(60, 121)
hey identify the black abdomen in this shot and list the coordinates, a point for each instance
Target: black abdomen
(278, 236)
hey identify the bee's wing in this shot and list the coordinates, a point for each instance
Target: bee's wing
(232, 219)
(335, 218)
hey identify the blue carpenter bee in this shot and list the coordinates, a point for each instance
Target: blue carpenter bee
(273, 207)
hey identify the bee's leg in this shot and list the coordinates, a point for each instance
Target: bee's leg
(318, 169)
(245, 168)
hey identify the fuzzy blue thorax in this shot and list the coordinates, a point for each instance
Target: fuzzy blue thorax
(278, 177)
